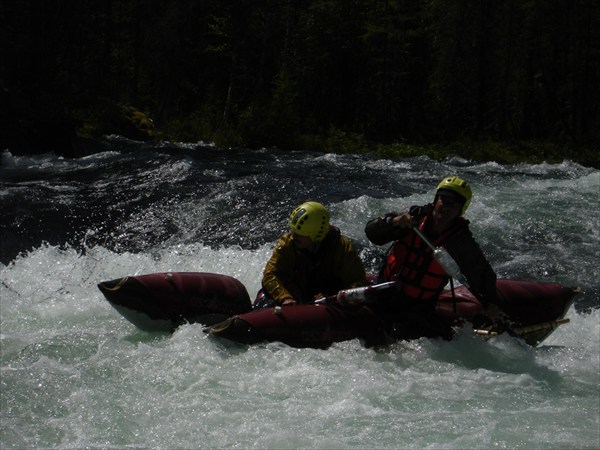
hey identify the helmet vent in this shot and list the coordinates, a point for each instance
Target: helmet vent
(310, 219)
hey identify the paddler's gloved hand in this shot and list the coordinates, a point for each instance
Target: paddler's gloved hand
(405, 220)
(492, 319)
(500, 320)
(494, 313)
(318, 297)
(358, 296)
(288, 301)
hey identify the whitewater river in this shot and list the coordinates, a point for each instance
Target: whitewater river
(75, 374)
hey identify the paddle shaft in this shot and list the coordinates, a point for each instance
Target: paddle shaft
(444, 258)
(518, 331)
(356, 295)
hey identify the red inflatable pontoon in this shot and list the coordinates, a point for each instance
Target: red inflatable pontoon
(163, 301)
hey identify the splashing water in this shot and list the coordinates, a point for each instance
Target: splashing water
(75, 374)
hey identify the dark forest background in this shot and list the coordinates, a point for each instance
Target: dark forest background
(480, 76)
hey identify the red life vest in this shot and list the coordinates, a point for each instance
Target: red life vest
(410, 261)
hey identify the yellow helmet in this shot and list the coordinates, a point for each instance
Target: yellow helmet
(310, 219)
(459, 186)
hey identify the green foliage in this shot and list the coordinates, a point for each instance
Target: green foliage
(532, 152)
(403, 150)
(388, 76)
(276, 123)
(339, 141)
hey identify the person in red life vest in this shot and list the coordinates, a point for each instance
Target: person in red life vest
(410, 261)
(311, 261)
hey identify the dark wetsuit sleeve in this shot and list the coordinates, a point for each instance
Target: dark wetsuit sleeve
(473, 264)
(380, 231)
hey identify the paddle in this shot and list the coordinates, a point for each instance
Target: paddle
(444, 259)
(362, 294)
(353, 296)
(356, 296)
(441, 255)
(523, 331)
(450, 266)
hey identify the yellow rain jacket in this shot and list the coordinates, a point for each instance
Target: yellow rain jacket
(301, 275)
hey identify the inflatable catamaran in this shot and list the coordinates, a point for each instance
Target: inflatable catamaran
(164, 301)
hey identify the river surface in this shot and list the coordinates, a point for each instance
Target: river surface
(75, 374)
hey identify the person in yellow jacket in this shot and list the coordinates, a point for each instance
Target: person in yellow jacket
(311, 261)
